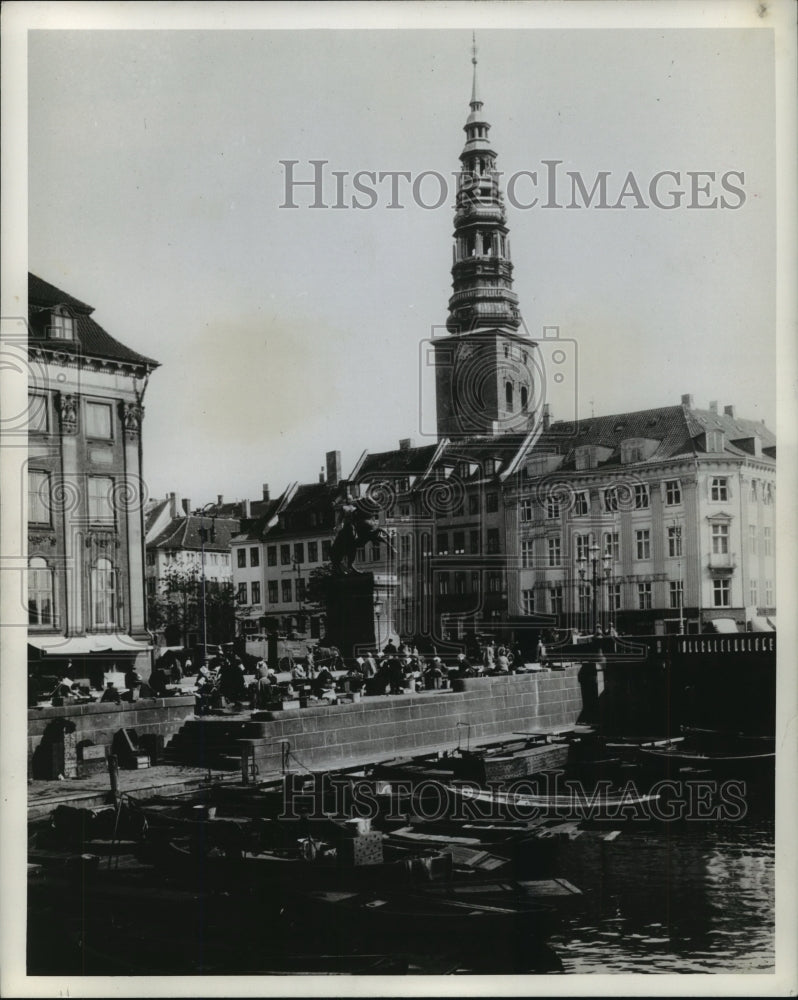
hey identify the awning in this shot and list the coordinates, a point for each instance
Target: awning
(725, 625)
(760, 624)
(86, 645)
(772, 621)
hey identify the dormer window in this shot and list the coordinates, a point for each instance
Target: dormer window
(62, 325)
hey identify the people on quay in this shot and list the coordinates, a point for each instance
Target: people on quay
(488, 658)
(158, 681)
(111, 694)
(433, 674)
(133, 684)
(389, 648)
(298, 672)
(502, 661)
(324, 681)
(396, 673)
(369, 665)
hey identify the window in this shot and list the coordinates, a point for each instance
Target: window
(361, 554)
(301, 589)
(641, 496)
(643, 542)
(286, 587)
(673, 493)
(584, 598)
(38, 416)
(299, 552)
(719, 491)
(325, 549)
(458, 542)
(767, 534)
(255, 592)
(473, 541)
(752, 538)
(527, 510)
(241, 558)
(242, 593)
(475, 581)
(721, 593)
(313, 552)
(443, 584)
(494, 583)
(581, 504)
(528, 602)
(508, 395)
(150, 558)
(767, 494)
(152, 586)
(40, 593)
(491, 503)
(285, 555)
(614, 596)
(459, 583)
(677, 593)
(612, 546)
(769, 593)
(552, 508)
(527, 553)
(38, 497)
(675, 541)
(554, 551)
(720, 539)
(271, 555)
(254, 557)
(443, 543)
(524, 397)
(272, 588)
(556, 599)
(405, 542)
(752, 495)
(753, 594)
(644, 596)
(582, 546)
(376, 551)
(101, 493)
(611, 499)
(493, 541)
(62, 326)
(473, 503)
(103, 594)
(98, 420)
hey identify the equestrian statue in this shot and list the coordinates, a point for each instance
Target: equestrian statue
(358, 527)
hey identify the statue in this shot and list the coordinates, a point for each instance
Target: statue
(358, 527)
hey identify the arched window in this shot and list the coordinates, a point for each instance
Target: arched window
(508, 393)
(103, 593)
(524, 397)
(40, 592)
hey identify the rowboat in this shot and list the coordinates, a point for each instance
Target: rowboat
(576, 804)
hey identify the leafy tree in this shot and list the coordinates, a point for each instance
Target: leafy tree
(177, 608)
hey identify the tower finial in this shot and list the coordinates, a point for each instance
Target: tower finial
(474, 97)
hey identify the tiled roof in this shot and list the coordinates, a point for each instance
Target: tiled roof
(412, 460)
(184, 533)
(91, 338)
(309, 499)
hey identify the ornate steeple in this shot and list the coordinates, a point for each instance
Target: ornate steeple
(483, 295)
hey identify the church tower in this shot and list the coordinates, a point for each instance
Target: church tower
(484, 380)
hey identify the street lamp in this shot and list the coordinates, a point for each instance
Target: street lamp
(206, 534)
(378, 612)
(677, 532)
(582, 564)
(607, 560)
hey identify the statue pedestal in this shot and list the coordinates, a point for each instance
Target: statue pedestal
(360, 613)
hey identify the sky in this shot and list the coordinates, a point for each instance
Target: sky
(155, 194)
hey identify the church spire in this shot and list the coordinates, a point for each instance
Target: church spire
(482, 271)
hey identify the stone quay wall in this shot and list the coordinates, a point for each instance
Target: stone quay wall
(374, 729)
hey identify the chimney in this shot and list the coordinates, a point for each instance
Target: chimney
(246, 508)
(321, 474)
(186, 504)
(687, 400)
(333, 467)
(266, 491)
(729, 411)
(220, 499)
(405, 444)
(172, 504)
(546, 416)
(713, 406)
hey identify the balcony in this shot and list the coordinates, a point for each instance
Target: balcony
(722, 563)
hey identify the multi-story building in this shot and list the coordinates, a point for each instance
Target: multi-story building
(86, 599)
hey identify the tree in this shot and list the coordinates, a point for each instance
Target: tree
(177, 608)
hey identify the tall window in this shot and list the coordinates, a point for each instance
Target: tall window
(491, 502)
(644, 596)
(494, 583)
(719, 490)
(242, 593)
(581, 504)
(527, 510)
(458, 543)
(376, 551)
(527, 547)
(612, 545)
(674, 541)
(753, 594)
(256, 592)
(443, 584)
(40, 593)
(459, 583)
(473, 503)
(769, 593)
(584, 598)
(473, 541)
(611, 499)
(555, 552)
(101, 499)
(254, 558)
(614, 596)
(313, 552)
(556, 599)
(475, 581)
(643, 543)
(62, 326)
(443, 543)
(38, 422)
(582, 544)
(405, 542)
(767, 537)
(301, 589)
(528, 602)
(286, 585)
(677, 593)
(103, 594)
(641, 496)
(285, 555)
(272, 588)
(721, 593)
(299, 552)
(673, 493)
(508, 395)
(241, 558)
(720, 539)
(552, 508)
(493, 541)
(752, 538)
(99, 420)
(326, 545)
(271, 555)
(38, 497)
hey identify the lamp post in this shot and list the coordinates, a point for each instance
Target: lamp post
(300, 615)
(677, 531)
(378, 612)
(607, 560)
(206, 534)
(582, 564)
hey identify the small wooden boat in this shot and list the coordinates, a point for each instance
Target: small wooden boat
(576, 804)
(682, 761)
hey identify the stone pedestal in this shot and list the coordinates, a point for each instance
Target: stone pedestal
(360, 613)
